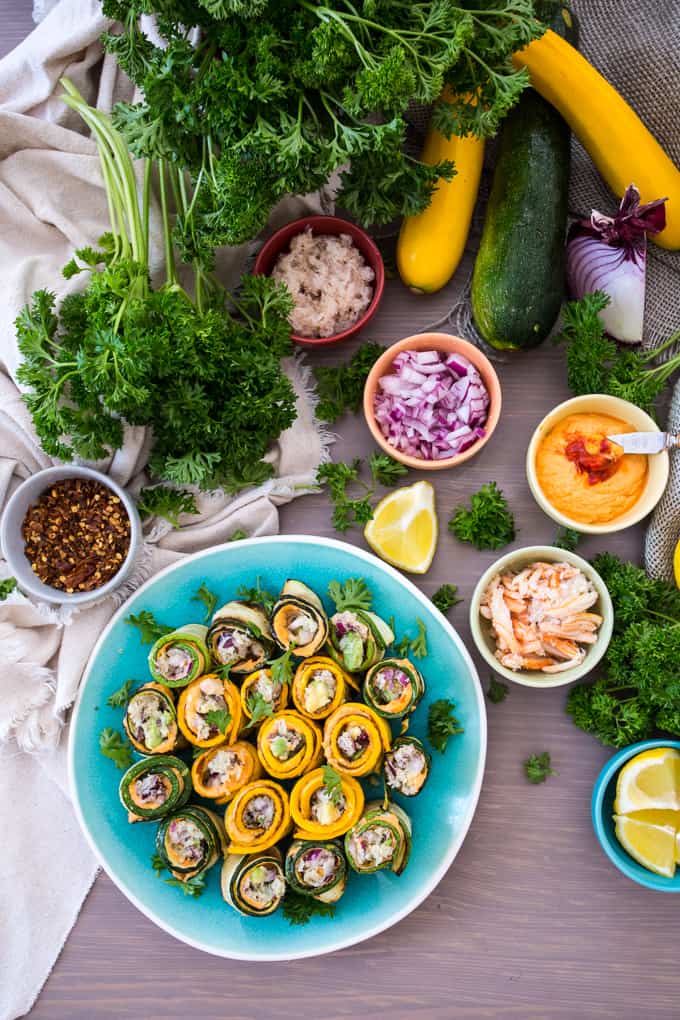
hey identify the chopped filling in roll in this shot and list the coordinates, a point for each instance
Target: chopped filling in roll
(185, 841)
(210, 699)
(284, 742)
(234, 644)
(223, 766)
(149, 717)
(263, 885)
(388, 684)
(302, 628)
(320, 690)
(316, 867)
(351, 635)
(353, 740)
(406, 769)
(151, 790)
(267, 689)
(325, 809)
(174, 663)
(372, 847)
(259, 812)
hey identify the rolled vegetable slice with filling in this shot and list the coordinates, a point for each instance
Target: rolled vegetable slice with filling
(220, 772)
(257, 817)
(288, 745)
(393, 687)
(209, 711)
(259, 689)
(299, 620)
(253, 884)
(154, 787)
(320, 686)
(150, 720)
(406, 767)
(357, 639)
(380, 839)
(355, 738)
(320, 813)
(316, 868)
(240, 637)
(190, 840)
(178, 658)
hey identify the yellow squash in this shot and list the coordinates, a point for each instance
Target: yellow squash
(431, 244)
(617, 141)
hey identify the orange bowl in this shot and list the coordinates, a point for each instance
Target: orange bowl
(448, 344)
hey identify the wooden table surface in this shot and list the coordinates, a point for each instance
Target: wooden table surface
(530, 922)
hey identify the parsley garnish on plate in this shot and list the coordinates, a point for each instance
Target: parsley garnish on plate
(299, 909)
(207, 597)
(259, 709)
(218, 717)
(442, 723)
(537, 767)
(120, 697)
(112, 745)
(149, 628)
(353, 593)
(258, 595)
(332, 782)
(488, 523)
(416, 646)
(446, 597)
(282, 668)
(193, 887)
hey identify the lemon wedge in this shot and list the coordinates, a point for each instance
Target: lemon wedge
(649, 781)
(652, 846)
(676, 563)
(403, 530)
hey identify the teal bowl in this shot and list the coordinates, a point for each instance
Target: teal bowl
(441, 815)
(602, 811)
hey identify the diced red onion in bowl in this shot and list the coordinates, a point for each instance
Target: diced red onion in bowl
(432, 405)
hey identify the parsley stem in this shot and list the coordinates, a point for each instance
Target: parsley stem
(170, 270)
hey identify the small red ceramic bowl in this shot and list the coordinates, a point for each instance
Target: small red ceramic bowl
(280, 242)
(448, 344)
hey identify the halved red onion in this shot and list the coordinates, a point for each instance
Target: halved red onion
(432, 405)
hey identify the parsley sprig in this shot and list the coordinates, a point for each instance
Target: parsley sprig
(353, 507)
(446, 597)
(537, 767)
(220, 718)
(332, 782)
(259, 709)
(282, 668)
(567, 538)
(488, 523)
(258, 595)
(416, 646)
(497, 691)
(300, 909)
(341, 387)
(7, 587)
(112, 745)
(207, 597)
(165, 501)
(442, 723)
(120, 697)
(353, 593)
(149, 628)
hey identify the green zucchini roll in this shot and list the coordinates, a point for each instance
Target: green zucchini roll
(253, 884)
(189, 841)
(299, 620)
(393, 687)
(380, 839)
(317, 869)
(240, 637)
(178, 658)
(150, 720)
(154, 787)
(357, 639)
(407, 766)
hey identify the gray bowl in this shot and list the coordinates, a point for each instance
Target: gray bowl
(12, 540)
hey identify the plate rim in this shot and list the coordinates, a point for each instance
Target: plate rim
(341, 942)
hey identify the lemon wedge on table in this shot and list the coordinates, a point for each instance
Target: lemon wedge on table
(403, 529)
(652, 846)
(649, 781)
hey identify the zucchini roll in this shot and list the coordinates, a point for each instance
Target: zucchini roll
(407, 766)
(257, 817)
(380, 839)
(319, 687)
(299, 620)
(253, 884)
(393, 687)
(178, 658)
(189, 841)
(357, 639)
(240, 637)
(222, 771)
(150, 720)
(320, 814)
(154, 787)
(203, 709)
(317, 869)
(259, 687)
(288, 745)
(355, 738)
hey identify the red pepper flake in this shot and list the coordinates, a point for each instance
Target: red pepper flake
(599, 461)
(77, 535)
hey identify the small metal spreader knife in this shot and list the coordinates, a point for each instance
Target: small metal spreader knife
(646, 442)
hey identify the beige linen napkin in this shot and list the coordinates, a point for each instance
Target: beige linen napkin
(51, 201)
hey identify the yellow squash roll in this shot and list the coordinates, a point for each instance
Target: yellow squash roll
(220, 772)
(209, 711)
(319, 687)
(355, 738)
(288, 745)
(322, 813)
(257, 817)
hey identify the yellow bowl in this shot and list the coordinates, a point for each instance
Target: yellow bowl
(600, 403)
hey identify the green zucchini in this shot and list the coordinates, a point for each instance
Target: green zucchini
(393, 687)
(519, 273)
(190, 840)
(154, 787)
(253, 884)
(406, 767)
(317, 869)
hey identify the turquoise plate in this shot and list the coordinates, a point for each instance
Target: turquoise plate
(441, 814)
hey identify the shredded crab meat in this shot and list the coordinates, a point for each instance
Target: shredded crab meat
(263, 885)
(540, 617)
(353, 740)
(316, 868)
(149, 718)
(151, 789)
(224, 765)
(174, 663)
(372, 847)
(259, 812)
(388, 684)
(284, 741)
(406, 769)
(302, 628)
(267, 689)
(234, 644)
(185, 840)
(210, 699)
(324, 810)
(347, 621)
(320, 690)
